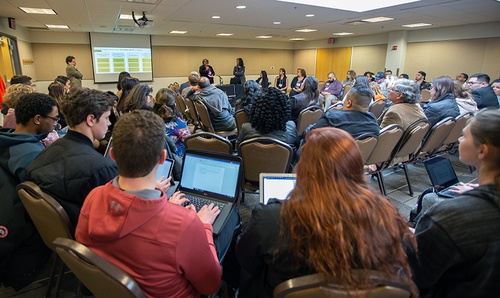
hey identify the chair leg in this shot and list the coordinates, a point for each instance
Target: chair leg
(407, 179)
(59, 278)
(55, 264)
(380, 182)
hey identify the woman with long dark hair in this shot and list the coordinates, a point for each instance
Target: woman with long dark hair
(263, 80)
(239, 71)
(442, 103)
(332, 222)
(281, 81)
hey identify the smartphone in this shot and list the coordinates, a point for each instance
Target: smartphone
(165, 169)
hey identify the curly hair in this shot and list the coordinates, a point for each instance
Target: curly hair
(77, 106)
(270, 111)
(137, 99)
(333, 220)
(32, 104)
(14, 92)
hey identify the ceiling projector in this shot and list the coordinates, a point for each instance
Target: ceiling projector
(142, 21)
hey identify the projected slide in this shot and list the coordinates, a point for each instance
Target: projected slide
(115, 60)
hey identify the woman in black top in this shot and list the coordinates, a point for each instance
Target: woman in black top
(207, 71)
(239, 71)
(263, 80)
(281, 81)
(298, 82)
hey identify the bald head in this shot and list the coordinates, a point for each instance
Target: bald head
(204, 82)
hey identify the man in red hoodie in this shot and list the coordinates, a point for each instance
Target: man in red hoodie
(167, 248)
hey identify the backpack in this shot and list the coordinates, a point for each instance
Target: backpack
(414, 213)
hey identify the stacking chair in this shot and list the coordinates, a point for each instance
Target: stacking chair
(435, 138)
(426, 95)
(241, 117)
(263, 155)
(182, 107)
(102, 278)
(388, 139)
(308, 116)
(193, 114)
(209, 142)
(50, 220)
(206, 123)
(460, 122)
(377, 107)
(316, 285)
(366, 143)
(347, 88)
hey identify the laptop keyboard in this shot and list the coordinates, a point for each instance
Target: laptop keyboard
(199, 202)
(447, 192)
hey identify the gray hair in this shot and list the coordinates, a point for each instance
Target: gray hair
(409, 89)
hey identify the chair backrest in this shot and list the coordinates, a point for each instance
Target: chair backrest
(426, 95)
(308, 116)
(206, 123)
(264, 155)
(316, 285)
(181, 106)
(101, 277)
(436, 136)
(49, 217)
(456, 132)
(377, 107)
(387, 140)
(366, 143)
(241, 117)
(209, 142)
(412, 139)
(347, 88)
(193, 113)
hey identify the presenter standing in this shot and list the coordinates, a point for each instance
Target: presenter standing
(73, 74)
(207, 71)
(239, 72)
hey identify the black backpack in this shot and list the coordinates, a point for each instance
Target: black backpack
(414, 213)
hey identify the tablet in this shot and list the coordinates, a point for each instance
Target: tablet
(275, 186)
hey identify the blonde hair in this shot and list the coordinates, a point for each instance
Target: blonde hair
(14, 93)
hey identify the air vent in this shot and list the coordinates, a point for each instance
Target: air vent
(38, 28)
(124, 28)
(354, 23)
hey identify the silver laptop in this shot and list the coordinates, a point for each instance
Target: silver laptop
(275, 186)
(209, 177)
(442, 175)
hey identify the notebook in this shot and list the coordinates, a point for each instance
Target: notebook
(275, 186)
(442, 175)
(209, 177)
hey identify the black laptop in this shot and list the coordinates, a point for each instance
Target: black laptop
(442, 175)
(209, 177)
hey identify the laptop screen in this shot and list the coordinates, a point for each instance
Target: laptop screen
(276, 186)
(210, 174)
(441, 172)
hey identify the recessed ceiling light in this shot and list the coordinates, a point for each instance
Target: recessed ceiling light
(277, 23)
(417, 25)
(264, 36)
(125, 17)
(215, 17)
(297, 38)
(177, 32)
(224, 34)
(57, 26)
(241, 7)
(342, 33)
(37, 10)
(357, 6)
(306, 30)
(309, 15)
(378, 19)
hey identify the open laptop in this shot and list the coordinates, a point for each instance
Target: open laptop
(275, 186)
(442, 175)
(209, 177)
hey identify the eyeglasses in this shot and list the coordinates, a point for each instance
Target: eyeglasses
(472, 83)
(55, 119)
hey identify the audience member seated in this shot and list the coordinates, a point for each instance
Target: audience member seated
(167, 248)
(350, 77)
(330, 91)
(307, 98)
(65, 81)
(458, 239)
(297, 84)
(496, 88)
(464, 99)
(127, 85)
(58, 91)
(483, 94)
(331, 223)
(192, 87)
(442, 103)
(405, 110)
(263, 81)
(22, 251)
(219, 109)
(420, 79)
(70, 168)
(354, 117)
(250, 92)
(377, 92)
(185, 85)
(271, 118)
(121, 76)
(177, 129)
(281, 81)
(11, 97)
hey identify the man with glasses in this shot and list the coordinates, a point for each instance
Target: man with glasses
(483, 94)
(70, 168)
(22, 251)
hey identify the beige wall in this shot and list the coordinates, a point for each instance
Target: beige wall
(453, 57)
(368, 58)
(305, 59)
(50, 59)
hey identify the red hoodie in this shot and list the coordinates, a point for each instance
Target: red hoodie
(163, 246)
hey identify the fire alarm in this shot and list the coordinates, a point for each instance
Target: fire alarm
(394, 48)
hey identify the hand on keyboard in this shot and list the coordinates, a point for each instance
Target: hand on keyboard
(178, 198)
(208, 214)
(462, 187)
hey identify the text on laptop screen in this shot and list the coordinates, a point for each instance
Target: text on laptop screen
(277, 187)
(209, 174)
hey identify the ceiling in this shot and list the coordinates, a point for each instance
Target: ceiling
(195, 17)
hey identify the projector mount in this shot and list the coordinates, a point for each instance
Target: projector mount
(142, 21)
